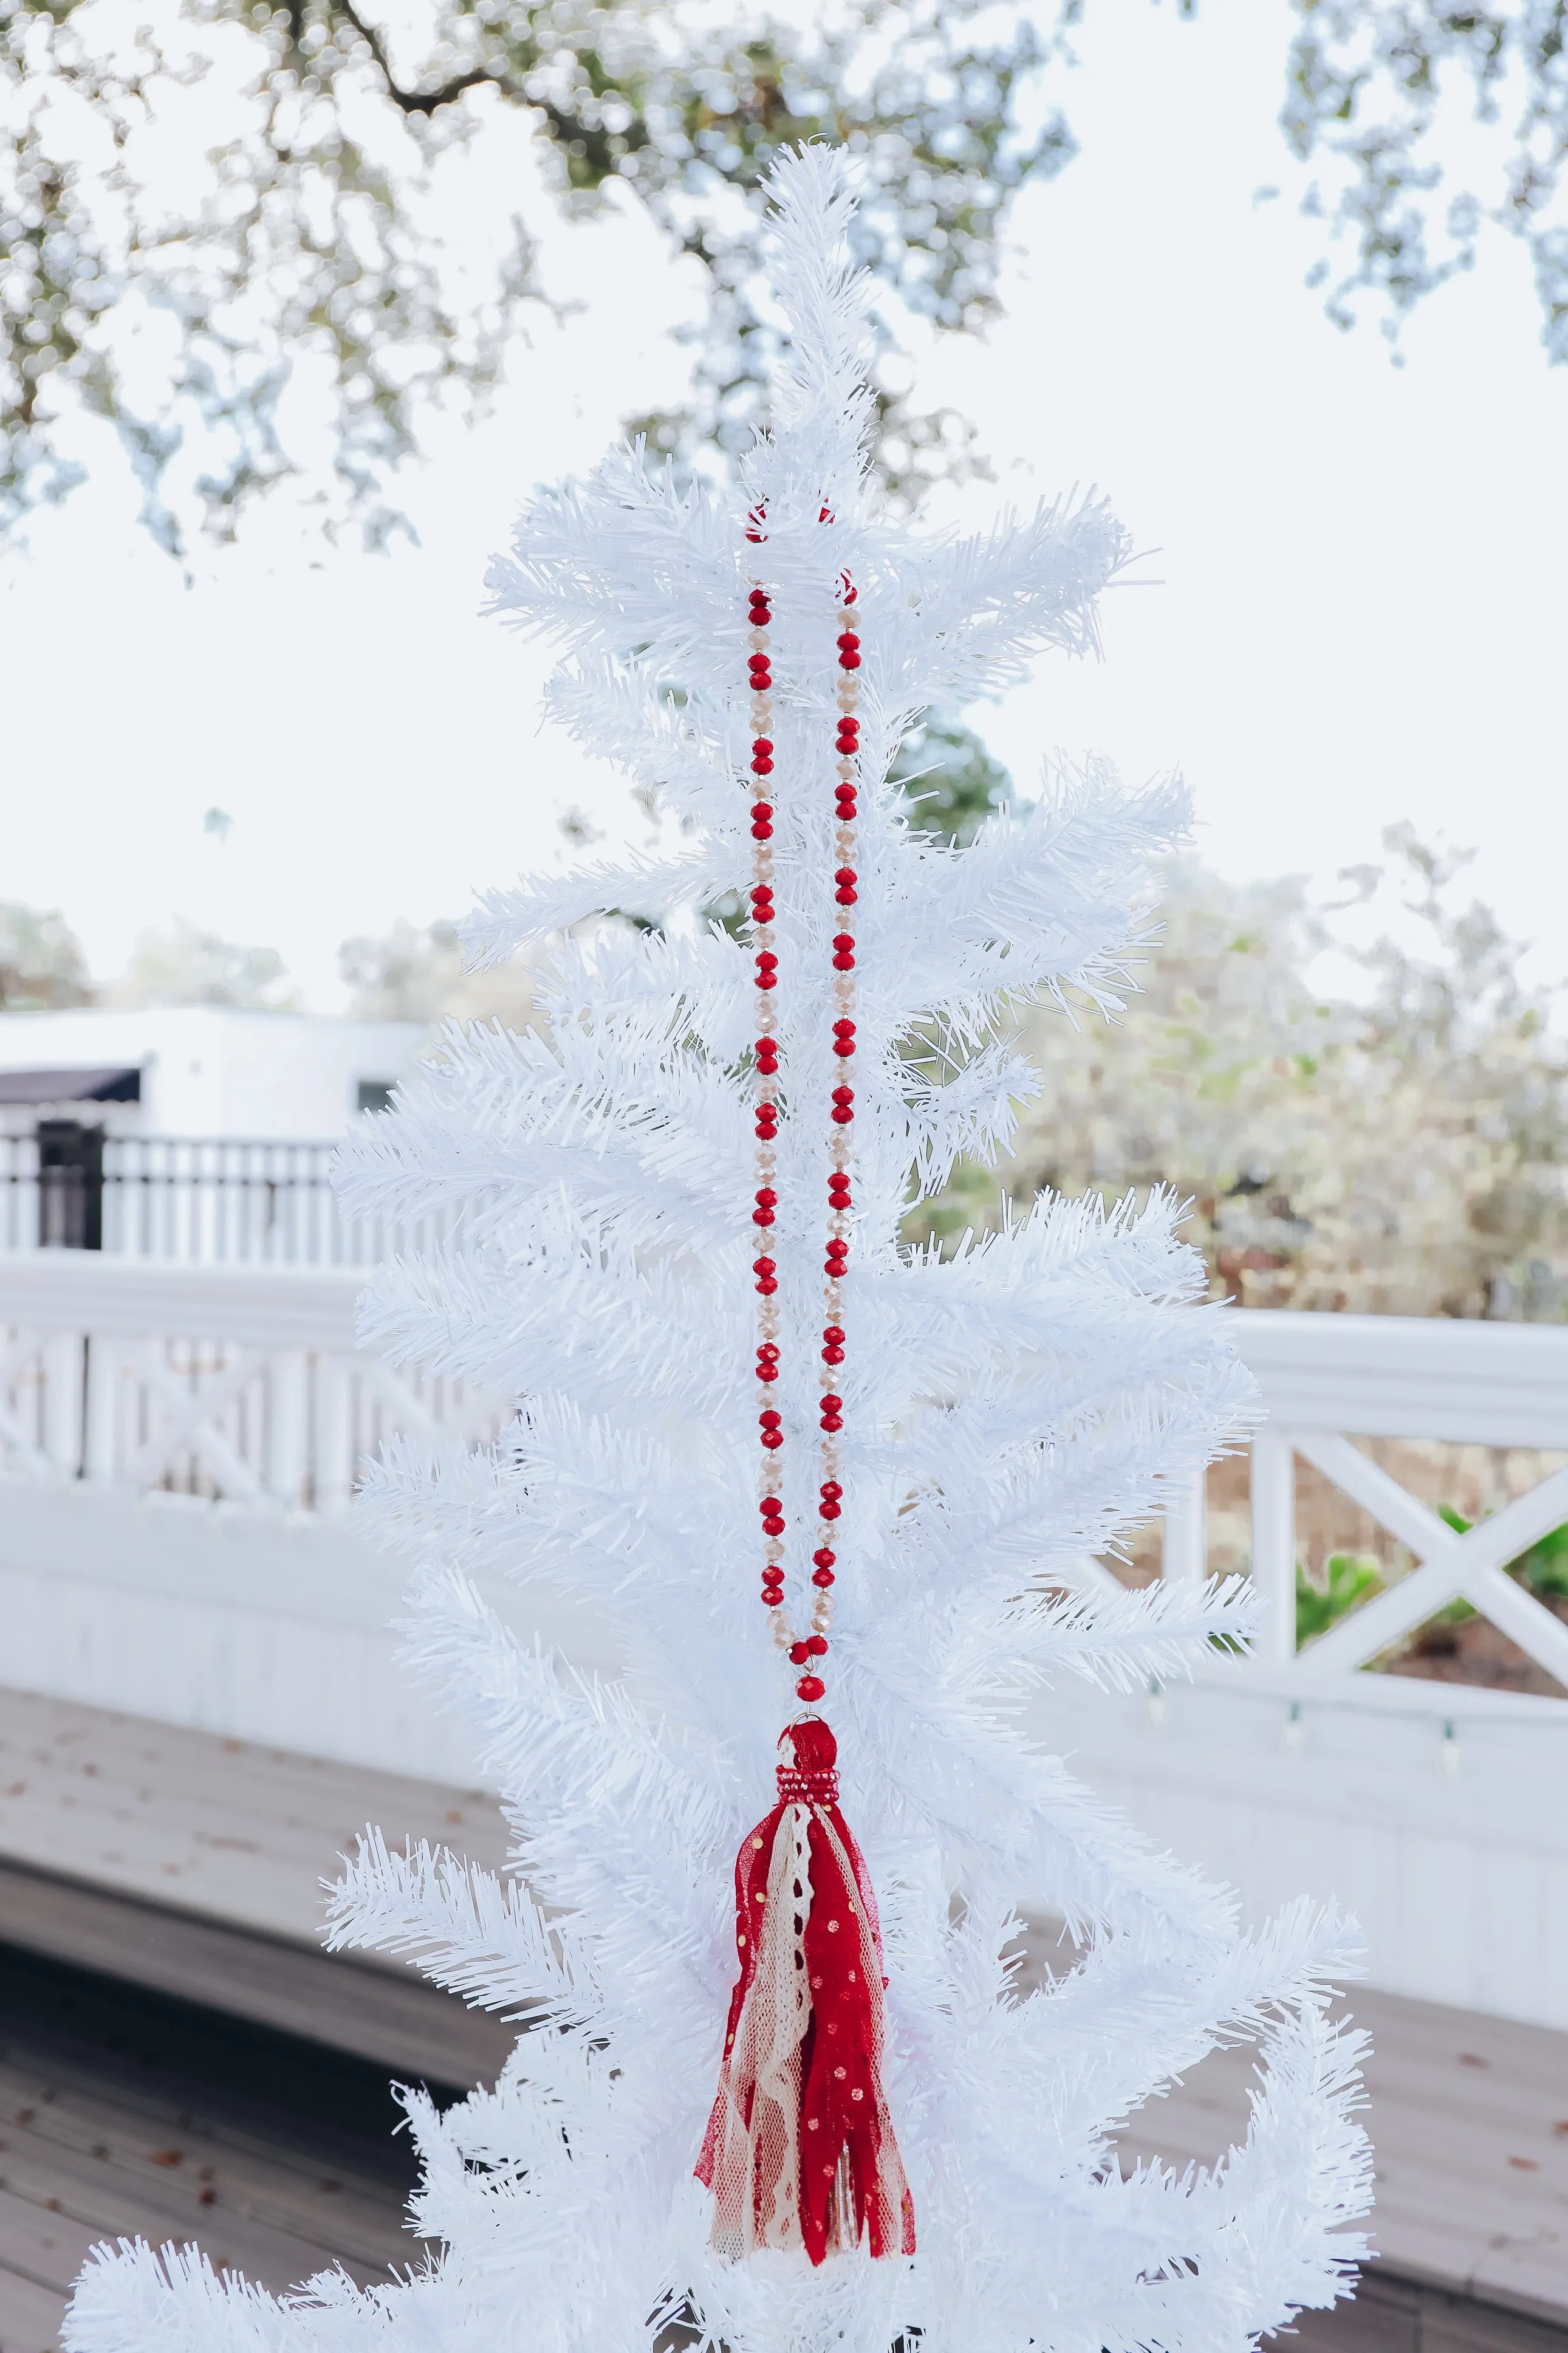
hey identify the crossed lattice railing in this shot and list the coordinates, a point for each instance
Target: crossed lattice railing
(244, 1384)
(240, 1384)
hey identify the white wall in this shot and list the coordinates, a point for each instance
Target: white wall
(210, 1071)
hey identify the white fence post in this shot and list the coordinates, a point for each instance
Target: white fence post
(64, 1368)
(287, 1432)
(1274, 1543)
(101, 1442)
(1184, 1536)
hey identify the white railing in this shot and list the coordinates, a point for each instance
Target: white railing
(240, 1384)
(215, 1200)
(1329, 1379)
(244, 1385)
(180, 1442)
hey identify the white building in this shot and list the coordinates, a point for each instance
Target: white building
(200, 1071)
(189, 1132)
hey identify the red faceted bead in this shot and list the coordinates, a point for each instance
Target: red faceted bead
(762, 765)
(843, 943)
(762, 1216)
(823, 1577)
(769, 1504)
(830, 1403)
(767, 1286)
(844, 1048)
(770, 1421)
(833, 1355)
(846, 897)
(771, 1438)
(834, 1334)
(800, 1654)
(843, 1094)
(843, 1027)
(809, 1688)
(830, 1487)
(832, 1421)
(829, 1510)
(825, 1559)
(843, 1116)
(771, 1598)
(763, 1266)
(761, 833)
(843, 964)
(767, 1197)
(849, 661)
(845, 874)
(817, 1645)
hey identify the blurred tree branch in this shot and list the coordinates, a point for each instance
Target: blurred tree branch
(1376, 90)
(309, 229)
(202, 200)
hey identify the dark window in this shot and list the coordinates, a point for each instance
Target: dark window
(375, 1094)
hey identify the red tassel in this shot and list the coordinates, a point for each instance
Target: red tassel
(799, 2150)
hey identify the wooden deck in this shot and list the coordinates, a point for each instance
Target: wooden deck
(190, 1867)
(124, 2114)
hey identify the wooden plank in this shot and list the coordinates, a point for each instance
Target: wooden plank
(179, 2162)
(47, 2248)
(30, 2315)
(241, 1833)
(386, 2012)
(79, 2197)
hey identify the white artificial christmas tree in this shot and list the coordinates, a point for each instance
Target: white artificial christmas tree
(1003, 1413)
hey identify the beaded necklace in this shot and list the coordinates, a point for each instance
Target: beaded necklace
(800, 2150)
(802, 1650)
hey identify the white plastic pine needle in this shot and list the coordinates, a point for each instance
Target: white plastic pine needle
(1009, 1411)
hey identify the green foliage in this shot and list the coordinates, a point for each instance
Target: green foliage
(951, 782)
(1348, 1577)
(1543, 1567)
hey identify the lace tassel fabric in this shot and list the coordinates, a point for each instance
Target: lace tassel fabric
(800, 2150)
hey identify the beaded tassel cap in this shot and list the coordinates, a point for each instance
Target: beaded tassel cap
(800, 2150)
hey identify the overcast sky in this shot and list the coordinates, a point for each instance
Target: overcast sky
(1361, 614)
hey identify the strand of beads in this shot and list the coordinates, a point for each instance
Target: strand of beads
(770, 1423)
(830, 1493)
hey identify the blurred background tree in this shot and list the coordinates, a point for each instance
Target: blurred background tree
(203, 198)
(182, 965)
(1375, 1124)
(41, 961)
(416, 973)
